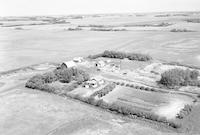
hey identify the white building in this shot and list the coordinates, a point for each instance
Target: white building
(78, 59)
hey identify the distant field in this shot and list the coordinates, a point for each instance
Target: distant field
(41, 43)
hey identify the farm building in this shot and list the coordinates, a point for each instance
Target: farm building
(94, 82)
(99, 80)
(100, 64)
(78, 59)
(91, 83)
(68, 64)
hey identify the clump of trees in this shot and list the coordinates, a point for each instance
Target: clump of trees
(179, 77)
(122, 55)
(67, 75)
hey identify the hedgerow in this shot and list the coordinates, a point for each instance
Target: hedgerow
(108, 88)
(122, 55)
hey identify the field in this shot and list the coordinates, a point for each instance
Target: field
(35, 45)
(162, 104)
(42, 43)
(33, 112)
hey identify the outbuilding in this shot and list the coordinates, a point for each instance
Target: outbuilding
(68, 64)
(78, 59)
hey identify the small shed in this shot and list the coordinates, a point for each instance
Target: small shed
(68, 64)
(100, 64)
(78, 59)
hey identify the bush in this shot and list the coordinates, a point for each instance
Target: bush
(118, 83)
(137, 87)
(122, 55)
(179, 77)
(147, 89)
(122, 84)
(184, 112)
(142, 88)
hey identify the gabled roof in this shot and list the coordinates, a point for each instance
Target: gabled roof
(69, 64)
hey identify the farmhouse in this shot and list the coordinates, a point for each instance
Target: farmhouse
(94, 82)
(99, 80)
(91, 83)
(68, 64)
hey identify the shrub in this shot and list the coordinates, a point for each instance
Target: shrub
(147, 89)
(137, 87)
(184, 112)
(152, 89)
(122, 84)
(142, 88)
(118, 83)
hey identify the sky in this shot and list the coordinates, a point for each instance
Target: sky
(65, 7)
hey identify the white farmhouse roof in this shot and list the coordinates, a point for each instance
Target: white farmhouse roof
(69, 64)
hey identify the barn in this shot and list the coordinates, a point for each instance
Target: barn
(68, 64)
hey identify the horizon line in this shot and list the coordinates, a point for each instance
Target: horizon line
(106, 13)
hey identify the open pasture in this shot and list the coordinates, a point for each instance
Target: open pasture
(163, 104)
